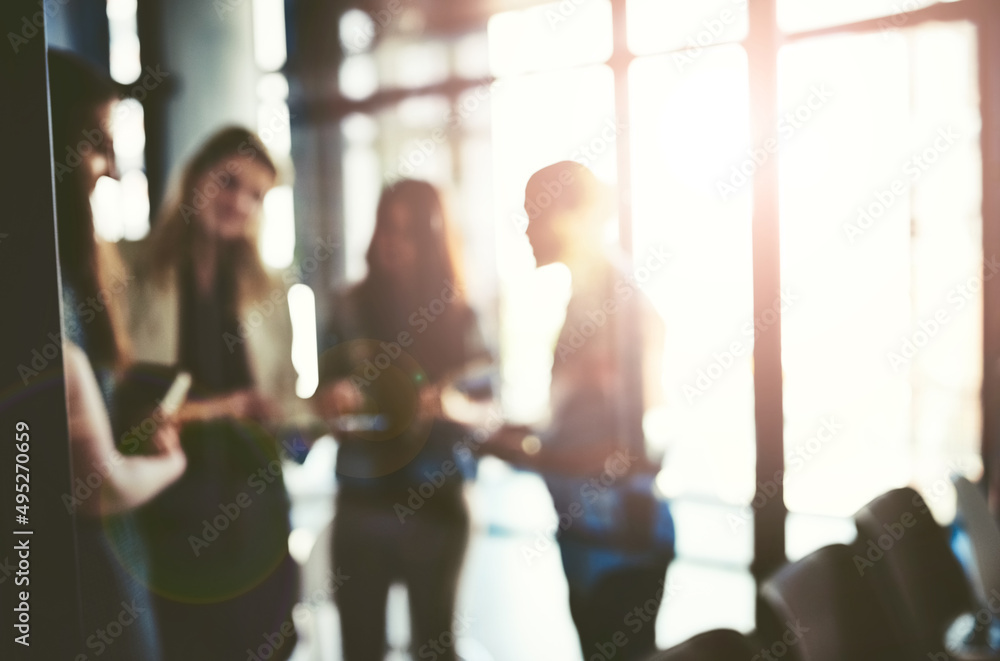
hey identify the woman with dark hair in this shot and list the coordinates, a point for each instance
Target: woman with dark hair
(398, 338)
(82, 103)
(111, 554)
(224, 580)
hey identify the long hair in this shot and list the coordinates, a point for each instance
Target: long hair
(178, 223)
(386, 310)
(77, 93)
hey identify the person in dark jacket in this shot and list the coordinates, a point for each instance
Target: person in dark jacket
(398, 338)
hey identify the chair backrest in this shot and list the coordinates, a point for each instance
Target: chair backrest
(985, 538)
(831, 613)
(717, 645)
(905, 553)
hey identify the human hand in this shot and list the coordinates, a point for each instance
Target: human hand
(513, 444)
(247, 404)
(430, 401)
(166, 443)
(337, 398)
(263, 409)
(166, 439)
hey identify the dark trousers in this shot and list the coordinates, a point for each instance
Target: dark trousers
(229, 598)
(245, 627)
(372, 549)
(617, 617)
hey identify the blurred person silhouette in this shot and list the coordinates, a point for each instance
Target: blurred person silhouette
(205, 302)
(113, 564)
(399, 337)
(615, 532)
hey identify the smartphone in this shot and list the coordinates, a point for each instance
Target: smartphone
(176, 394)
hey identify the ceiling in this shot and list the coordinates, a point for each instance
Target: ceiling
(443, 17)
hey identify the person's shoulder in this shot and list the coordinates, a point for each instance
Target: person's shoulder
(344, 321)
(76, 357)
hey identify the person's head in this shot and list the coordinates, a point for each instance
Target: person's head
(82, 101)
(412, 268)
(222, 186)
(411, 243)
(216, 202)
(564, 203)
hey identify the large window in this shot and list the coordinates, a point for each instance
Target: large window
(554, 101)
(876, 132)
(880, 231)
(688, 123)
(121, 205)
(427, 116)
(881, 234)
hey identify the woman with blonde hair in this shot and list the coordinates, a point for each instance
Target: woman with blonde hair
(206, 304)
